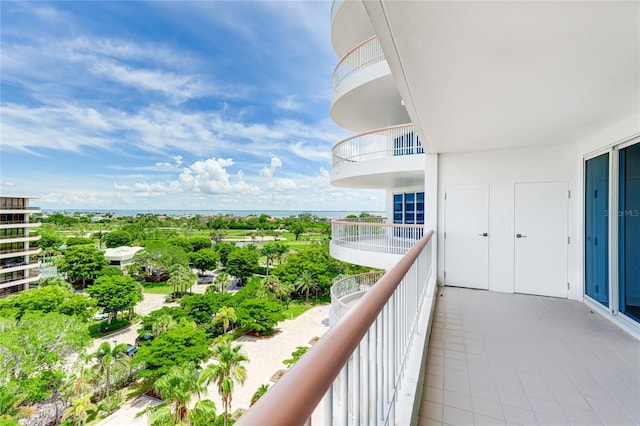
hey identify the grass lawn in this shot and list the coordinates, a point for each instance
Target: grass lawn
(160, 289)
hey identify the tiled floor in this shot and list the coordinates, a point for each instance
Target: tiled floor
(498, 358)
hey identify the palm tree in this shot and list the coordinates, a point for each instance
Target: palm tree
(225, 315)
(111, 360)
(176, 388)
(181, 278)
(80, 409)
(284, 290)
(222, 280)
(271, 282)
(305, 283)
(225, 371)
(262, 389)
(163, 324)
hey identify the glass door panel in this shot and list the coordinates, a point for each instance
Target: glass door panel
(629, 231)
(596, 233)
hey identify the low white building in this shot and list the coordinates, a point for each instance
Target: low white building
(122, 256)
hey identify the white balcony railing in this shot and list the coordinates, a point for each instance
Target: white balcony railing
(388, 142)
(345, 292)
(367, 365)
(364, 55)
(375, 235)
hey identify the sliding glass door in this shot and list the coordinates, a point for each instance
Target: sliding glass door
(629, 231)
(596, 228)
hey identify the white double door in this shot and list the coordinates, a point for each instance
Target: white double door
(540, 237)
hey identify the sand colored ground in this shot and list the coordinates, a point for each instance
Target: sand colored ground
(265, 358)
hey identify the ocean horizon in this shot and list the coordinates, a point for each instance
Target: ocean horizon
(332, 214)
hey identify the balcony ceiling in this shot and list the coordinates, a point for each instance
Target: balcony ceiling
(350, 26)
(368, 100)
(490, 75)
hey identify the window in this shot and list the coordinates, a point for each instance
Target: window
(408, 208)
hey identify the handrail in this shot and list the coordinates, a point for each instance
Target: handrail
(377, 224)
(356, 59)
(385, 142)
(304, 386)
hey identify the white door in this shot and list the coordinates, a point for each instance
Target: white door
(541, 238)
(466, 243)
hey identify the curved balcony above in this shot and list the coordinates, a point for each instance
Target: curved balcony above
(364, 92)
(19, 252)
(347, 291)
(18, 224)
(21, 281)
(350, 25)
(371, 241)
(383, 158)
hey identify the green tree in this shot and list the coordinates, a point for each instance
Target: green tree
(225, 249)
(159, 256)
(161, 320)
(205, 259)
(48, 241)
(80, 409)
(179, 345)
(50, 298)
(243, 263)
(295, 356)
(11, 402)
(222, 280)
(181, 277)
(225, 315)
(118, 239)
(227, 369)
(297, 228)
(116, 293)
(110, 362)
(262, 389)
(177, 388)
(82, 262)
(201, 307)
(259, 315)
(199, 243)
(78, 241)
(305, 283)
(39, 343)
(57, 281)
(109, 270)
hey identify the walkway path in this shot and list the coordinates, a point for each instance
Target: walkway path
(265, 358)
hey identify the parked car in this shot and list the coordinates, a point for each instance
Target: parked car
(131, 349)
(140, 340)
(100, 316)
(208, 279)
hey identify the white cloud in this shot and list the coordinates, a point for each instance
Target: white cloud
(178, 160)
(276, 163)
(289, 104)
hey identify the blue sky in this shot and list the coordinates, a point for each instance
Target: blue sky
(170, 105)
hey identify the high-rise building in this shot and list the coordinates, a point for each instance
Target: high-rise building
(506, 136)
(17, 258)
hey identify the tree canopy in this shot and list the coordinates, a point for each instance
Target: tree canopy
(116, 293)
(205, 259)
(82, 262)
(47, 299)
(243, 263)
(179, 345)
(117, 239)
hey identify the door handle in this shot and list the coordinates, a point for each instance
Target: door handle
(484, 234)
(520, 236)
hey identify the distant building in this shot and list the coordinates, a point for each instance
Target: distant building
(17, 258)
(120, 257)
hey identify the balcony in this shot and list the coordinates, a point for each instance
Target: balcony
(390, 157)
(7, 253)
(350, 25)
(19, 209)
(19, 238)
(371, 241)
(21, 281)
(364, 93)
(374, 353)
(492, 358)
(11, 266)
(347, 291)
(18, 224)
